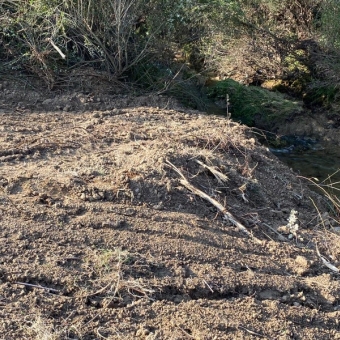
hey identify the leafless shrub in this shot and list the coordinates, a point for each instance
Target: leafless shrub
(47, 37)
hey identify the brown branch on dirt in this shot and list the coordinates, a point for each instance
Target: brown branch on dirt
(42, 142)
(100, 336)
(37, 148)
(226, 214)
(251, 332)
(37, 286)
(98, 291)
(221, 178)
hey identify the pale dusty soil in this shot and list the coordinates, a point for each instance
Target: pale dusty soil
(117, 248)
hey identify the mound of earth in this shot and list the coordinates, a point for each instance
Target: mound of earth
(101, 239)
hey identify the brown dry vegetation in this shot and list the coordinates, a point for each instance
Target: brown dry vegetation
(99, 239)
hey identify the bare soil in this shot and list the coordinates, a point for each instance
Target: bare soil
(100, 239)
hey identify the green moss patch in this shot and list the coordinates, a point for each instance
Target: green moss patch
(255, 106)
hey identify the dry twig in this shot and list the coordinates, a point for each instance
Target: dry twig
(280, 236)
(208, 286)
(186, 333)
(37, 286)
(252, 332)
(226, 214)
(325, 262)
(57, 48)
(221, 178)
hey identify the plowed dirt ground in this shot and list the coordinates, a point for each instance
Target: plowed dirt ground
(100, 239)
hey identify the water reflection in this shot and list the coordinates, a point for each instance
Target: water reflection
(320, 162)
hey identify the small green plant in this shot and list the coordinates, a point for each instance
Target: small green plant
(294, 62)
(329, 25)
(321, 94)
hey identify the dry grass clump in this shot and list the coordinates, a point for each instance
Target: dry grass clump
(110, 284)
(42, 328)
(328, 225)
(331, 192)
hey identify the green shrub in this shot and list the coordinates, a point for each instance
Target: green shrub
(320, 94)
(329, 24)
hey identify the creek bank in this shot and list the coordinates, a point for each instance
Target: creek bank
(307, 140)
(310, 146)
(315, 125)
(273, 111)
(322, 164)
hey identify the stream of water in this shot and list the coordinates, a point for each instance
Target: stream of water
(306, 156)
(321, 162)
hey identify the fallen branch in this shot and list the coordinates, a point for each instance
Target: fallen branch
(36, 286)
(221, 178)
(226, 214)
(208, 286)
(186, 333)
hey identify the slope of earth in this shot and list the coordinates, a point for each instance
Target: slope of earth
(101, 239)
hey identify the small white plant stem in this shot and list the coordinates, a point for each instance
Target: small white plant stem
(251, 332)
(57, 48)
